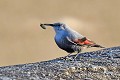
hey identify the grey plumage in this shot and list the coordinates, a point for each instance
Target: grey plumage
(68, 39)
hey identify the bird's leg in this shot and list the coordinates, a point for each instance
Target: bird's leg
(67, 57)
(78, 51)
(76, 55)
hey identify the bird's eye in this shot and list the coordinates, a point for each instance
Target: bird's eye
(62, 27)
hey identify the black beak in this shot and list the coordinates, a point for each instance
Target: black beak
(43, 25)
(48, 24)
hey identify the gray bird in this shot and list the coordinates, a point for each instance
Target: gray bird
(70, 40)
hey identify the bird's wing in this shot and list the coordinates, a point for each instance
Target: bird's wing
(83, 41)
(71, 41)
(86, 42)
(78, 39)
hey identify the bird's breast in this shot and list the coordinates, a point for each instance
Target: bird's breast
(63, 43)
(59, 39)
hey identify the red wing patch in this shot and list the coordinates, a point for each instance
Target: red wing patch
(85, 42)
(88, 42)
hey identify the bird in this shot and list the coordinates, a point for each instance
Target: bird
(70, 40)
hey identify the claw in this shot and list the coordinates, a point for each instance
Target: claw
(66, 58)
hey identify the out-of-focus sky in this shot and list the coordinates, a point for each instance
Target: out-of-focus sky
(23, 41)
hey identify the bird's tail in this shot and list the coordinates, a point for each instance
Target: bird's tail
(96, 45)
(90, 43)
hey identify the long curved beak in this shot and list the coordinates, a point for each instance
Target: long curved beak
(44, 25)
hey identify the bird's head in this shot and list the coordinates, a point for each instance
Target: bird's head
(58, 27)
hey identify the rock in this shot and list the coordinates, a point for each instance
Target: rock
(97, 65)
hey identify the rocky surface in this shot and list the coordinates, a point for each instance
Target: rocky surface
(97, 65)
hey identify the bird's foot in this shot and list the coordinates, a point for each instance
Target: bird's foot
(75, 58)
(66, 58)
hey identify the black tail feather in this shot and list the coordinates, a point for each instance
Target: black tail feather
(96, 45)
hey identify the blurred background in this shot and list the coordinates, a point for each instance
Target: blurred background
(22, 40)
